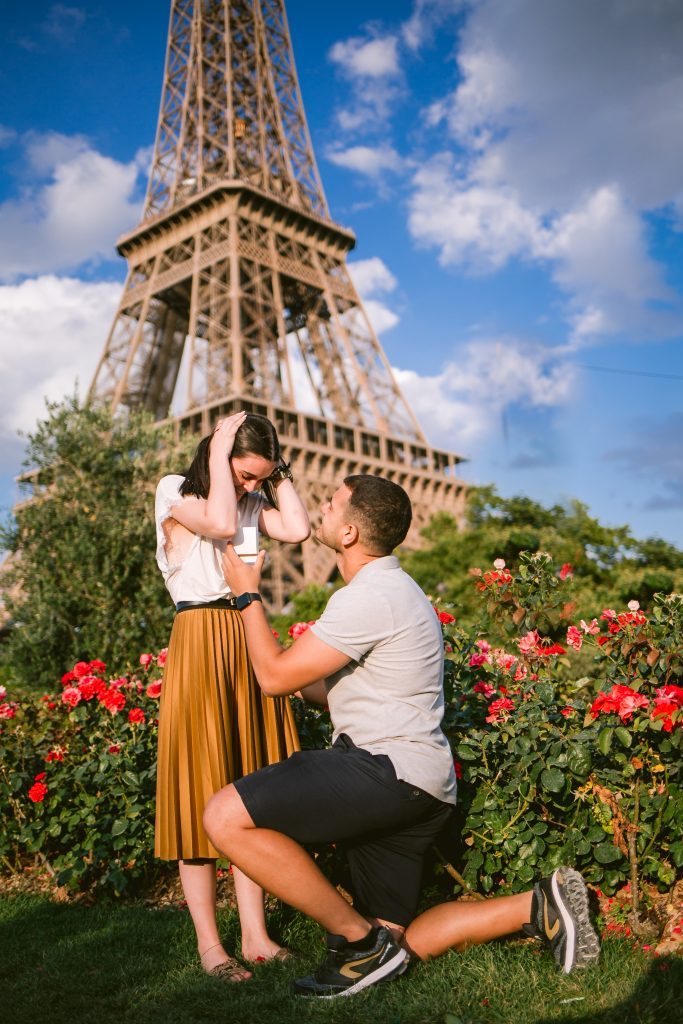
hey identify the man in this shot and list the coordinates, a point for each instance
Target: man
(386, 788)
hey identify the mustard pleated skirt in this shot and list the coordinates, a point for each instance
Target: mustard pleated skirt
(215, 725)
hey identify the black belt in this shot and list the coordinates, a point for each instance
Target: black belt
(222, 602)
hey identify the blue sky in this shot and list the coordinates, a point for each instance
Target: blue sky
(511, 168)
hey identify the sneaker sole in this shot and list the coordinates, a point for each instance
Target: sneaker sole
(391, 969)
(583, 945)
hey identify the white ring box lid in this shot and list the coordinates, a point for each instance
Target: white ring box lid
(245, 543)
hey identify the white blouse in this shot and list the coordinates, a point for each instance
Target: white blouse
(199, 577)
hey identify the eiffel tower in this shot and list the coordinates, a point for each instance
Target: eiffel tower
(238, 271)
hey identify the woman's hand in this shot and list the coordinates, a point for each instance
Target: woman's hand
(224, 433)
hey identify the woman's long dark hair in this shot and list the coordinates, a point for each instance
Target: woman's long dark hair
(256, 436)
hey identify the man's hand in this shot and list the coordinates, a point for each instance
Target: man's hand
(241, 577)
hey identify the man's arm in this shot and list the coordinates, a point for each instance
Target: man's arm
(279, 671)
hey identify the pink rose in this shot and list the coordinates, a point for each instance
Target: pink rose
(71, 696)
(146, 660)
(154, 689)
(529, 642)
(161, 657)
(574, 637)
(591, 628)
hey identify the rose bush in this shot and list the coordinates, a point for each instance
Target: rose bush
(77, 778)
(550, 770)
(553, 772)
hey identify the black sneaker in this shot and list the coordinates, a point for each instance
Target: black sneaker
(560, 916)
(348, 970)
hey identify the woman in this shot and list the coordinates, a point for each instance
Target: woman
(214, 723)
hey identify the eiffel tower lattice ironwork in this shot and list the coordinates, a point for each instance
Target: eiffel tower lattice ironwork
(238, 272)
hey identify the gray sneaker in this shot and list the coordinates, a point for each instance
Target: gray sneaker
(560, 916)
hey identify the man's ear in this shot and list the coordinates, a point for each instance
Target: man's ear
(350, 535)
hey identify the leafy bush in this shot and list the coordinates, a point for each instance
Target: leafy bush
(78, 778)
(559, 774)
(83, 577)
(551, 770)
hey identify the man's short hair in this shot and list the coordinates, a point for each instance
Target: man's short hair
(381, 510)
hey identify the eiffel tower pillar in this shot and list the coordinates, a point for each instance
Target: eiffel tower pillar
(238, 269)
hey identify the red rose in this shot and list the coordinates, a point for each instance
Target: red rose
(136, 716)
(97, 666)
(299, 627)
(154, 689)
(112, 699)
(91, 686)
(81, 668)
(114, 749)
(55, 755)
(68, 677)
(37, 792)
(40, 776)
(458, 769)
(8, 710)
(566, 571)
(446, 618)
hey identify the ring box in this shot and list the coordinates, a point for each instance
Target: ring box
(245, 543)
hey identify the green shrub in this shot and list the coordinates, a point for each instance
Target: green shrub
(551, 770)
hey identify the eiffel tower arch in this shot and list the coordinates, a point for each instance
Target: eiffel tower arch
(238, 272)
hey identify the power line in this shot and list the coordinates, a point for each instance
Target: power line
(631, 373)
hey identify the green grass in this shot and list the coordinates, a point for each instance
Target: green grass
(120, 964)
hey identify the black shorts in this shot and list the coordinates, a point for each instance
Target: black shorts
(350, 797)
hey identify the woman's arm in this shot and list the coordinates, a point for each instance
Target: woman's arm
(290, 522)
(215, 516)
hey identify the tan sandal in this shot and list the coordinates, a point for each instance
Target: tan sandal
(282, 955)
(230, 970)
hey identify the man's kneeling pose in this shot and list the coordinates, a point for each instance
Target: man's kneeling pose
(386, 788)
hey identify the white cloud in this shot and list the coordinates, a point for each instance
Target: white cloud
(570, 97)
(75, 204)
(569, 128)
(462, 405)
(381, 317)
(483, 227)
(371, 65)
(426, 17)
(368, 160)
(371, 276)
(596, 251)
(52, 333)
(367, 58)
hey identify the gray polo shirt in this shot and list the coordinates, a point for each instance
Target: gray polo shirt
(389, 698)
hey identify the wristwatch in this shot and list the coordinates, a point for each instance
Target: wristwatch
(281, 472)
(244, 600)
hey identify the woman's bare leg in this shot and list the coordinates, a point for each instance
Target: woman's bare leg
(198, 879)
(256, 943)
(458, 925)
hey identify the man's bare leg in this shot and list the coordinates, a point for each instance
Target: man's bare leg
(458, 925)
(280, 865)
